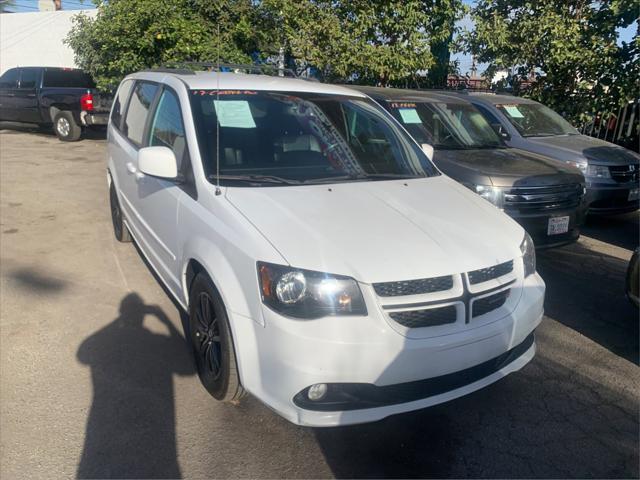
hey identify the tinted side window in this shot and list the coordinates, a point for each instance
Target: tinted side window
(63, 78)
(120, 102)
(139, 105)
(167, 129)
(9, 79)
(491, 118)
(28, 78)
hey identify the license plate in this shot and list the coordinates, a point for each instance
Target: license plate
(558, 225)
(634, 194)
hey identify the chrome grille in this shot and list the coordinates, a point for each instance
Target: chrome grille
(489, 273)
(490, 303)
(533, 199)
(425, 318)
(413, 287)
(624, 173)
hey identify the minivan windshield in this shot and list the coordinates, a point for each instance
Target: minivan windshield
(536, 120)
(273, 138)
(446, 126)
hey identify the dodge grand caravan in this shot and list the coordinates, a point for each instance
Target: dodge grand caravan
(545, 196)
(612, 172)
(327, 266)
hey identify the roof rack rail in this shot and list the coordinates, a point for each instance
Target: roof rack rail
(264, 69)
(179, 71)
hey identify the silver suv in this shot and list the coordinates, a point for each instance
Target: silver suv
(611, 171)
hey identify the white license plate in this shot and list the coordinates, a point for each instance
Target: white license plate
(634, 194)
(558, 225)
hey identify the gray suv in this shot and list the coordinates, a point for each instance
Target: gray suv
(611, 171)
(546, 197)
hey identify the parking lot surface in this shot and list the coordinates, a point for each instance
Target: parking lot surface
(96, 379)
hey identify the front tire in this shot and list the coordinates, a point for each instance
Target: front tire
(120, 230)
(65, 127)
(212, 342)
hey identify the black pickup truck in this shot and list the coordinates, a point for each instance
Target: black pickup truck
(64, 98)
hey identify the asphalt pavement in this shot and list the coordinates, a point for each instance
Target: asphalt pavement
(96, 379)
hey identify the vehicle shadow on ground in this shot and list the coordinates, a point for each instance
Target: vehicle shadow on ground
(586, 292)
(130, 430)
(97, 133)
(619, 230)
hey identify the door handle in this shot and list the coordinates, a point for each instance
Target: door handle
(131, 168)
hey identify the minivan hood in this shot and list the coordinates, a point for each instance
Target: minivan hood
(381, 230)
(505, 167)
(590, 148)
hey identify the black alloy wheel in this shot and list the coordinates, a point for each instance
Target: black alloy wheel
(211, 341)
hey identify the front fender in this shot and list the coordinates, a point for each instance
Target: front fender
(237, 286)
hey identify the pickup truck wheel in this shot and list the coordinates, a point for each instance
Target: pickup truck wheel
(119, 228)
(65, 127)
(212, 343)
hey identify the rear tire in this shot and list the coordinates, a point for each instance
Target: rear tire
(212, 343)
(65, 127)
(120, 230)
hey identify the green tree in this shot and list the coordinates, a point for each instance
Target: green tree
(569, 47)
(377, 42)
(130, 35)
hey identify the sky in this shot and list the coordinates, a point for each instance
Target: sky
(625, 35)
(32, 5)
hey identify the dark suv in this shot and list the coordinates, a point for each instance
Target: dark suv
(64, 98)
(545, 196)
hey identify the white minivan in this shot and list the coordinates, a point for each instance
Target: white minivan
(327, 266)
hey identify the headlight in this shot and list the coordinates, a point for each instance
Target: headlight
(307, 294)
(597, 171)
(582, 166)
(528, 255)
(494, 195)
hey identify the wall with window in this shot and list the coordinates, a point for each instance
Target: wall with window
(36, 39)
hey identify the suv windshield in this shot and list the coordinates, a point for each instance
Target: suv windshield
(276, 138)
(446, 126)
(536, 120)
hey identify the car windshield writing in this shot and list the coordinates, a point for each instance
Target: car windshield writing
(291, 138)
(446, 125)
(536, 120)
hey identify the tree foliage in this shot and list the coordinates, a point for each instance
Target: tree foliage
(378, 42)
(381, 42)
(569, 47)
(130, 35)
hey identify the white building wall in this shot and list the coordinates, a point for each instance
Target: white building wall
(35, 39)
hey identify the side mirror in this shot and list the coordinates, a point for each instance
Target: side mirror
(502, 133)
(158, 162)
(428, 150)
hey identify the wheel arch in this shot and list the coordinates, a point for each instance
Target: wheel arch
(206, 257)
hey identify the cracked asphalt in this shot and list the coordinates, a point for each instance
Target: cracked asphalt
(96, 379)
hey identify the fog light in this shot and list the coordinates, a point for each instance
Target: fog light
(317, 391)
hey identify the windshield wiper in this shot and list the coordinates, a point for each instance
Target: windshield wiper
(253, 178)
(362, 176)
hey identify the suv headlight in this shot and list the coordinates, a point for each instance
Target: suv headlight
(528, 255)
(307, 294)
(582, 166)
(492, 194)
(597, 171)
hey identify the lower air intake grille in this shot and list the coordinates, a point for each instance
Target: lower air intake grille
(425, 318)
(486, 274)
(414, 287)
(490, 303)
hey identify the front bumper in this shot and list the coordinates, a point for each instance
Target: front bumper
(611, 198)
(536, 225)
(286, 356)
